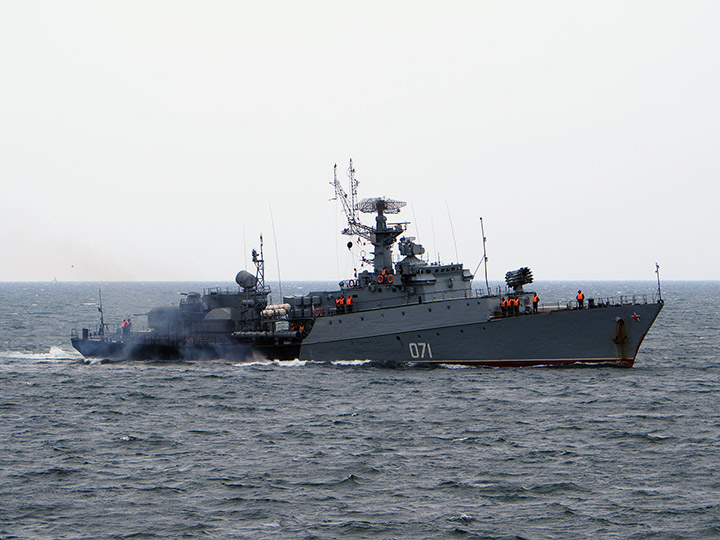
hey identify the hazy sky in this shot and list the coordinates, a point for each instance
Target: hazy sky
(151, 140)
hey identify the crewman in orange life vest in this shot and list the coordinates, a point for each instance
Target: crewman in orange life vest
(536, 301)
(580, 298)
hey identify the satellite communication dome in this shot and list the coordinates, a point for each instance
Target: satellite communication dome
(245, 279)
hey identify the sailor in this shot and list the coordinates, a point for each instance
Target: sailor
(536, 301)
(516, 305)
(580, 299)
(128, 326)
(503, 306)
(348, 304)
(123, 327)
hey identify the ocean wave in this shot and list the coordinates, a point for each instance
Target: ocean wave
(280, 363)
(462, 518)
(455, 366)
(351, 362)
(299, 363)
(349, 480)
(95, 361)
(53, 355)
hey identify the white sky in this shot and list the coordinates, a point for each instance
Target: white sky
(148, 140)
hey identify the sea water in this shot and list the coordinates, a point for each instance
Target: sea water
(93, 450)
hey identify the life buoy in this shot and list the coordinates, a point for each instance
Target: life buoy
(351, 284)
(318, 312)
(389, 278)
(380, 278)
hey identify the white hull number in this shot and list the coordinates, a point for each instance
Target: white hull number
(420, 350)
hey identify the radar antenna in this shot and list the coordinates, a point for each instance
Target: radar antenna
(381, 236)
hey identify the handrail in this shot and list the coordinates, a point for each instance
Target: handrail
(221, 291)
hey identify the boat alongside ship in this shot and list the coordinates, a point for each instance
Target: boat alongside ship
(399, 311)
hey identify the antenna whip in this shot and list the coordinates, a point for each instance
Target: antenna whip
(277, 256)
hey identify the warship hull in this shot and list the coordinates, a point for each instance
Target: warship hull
(395, 310)
(605, 336)
(129, 349)
(411, 335)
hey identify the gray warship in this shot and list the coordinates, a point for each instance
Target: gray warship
(398, 312)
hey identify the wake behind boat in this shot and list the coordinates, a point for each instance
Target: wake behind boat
(400, 310)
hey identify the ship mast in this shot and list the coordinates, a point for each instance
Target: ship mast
(102, 316)
(259, 261)
(381, 236)
(485, 257)
(349, 204)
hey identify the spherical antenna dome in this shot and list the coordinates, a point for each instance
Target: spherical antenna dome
(245, 279)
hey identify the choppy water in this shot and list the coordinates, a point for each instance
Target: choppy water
(300, 450)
